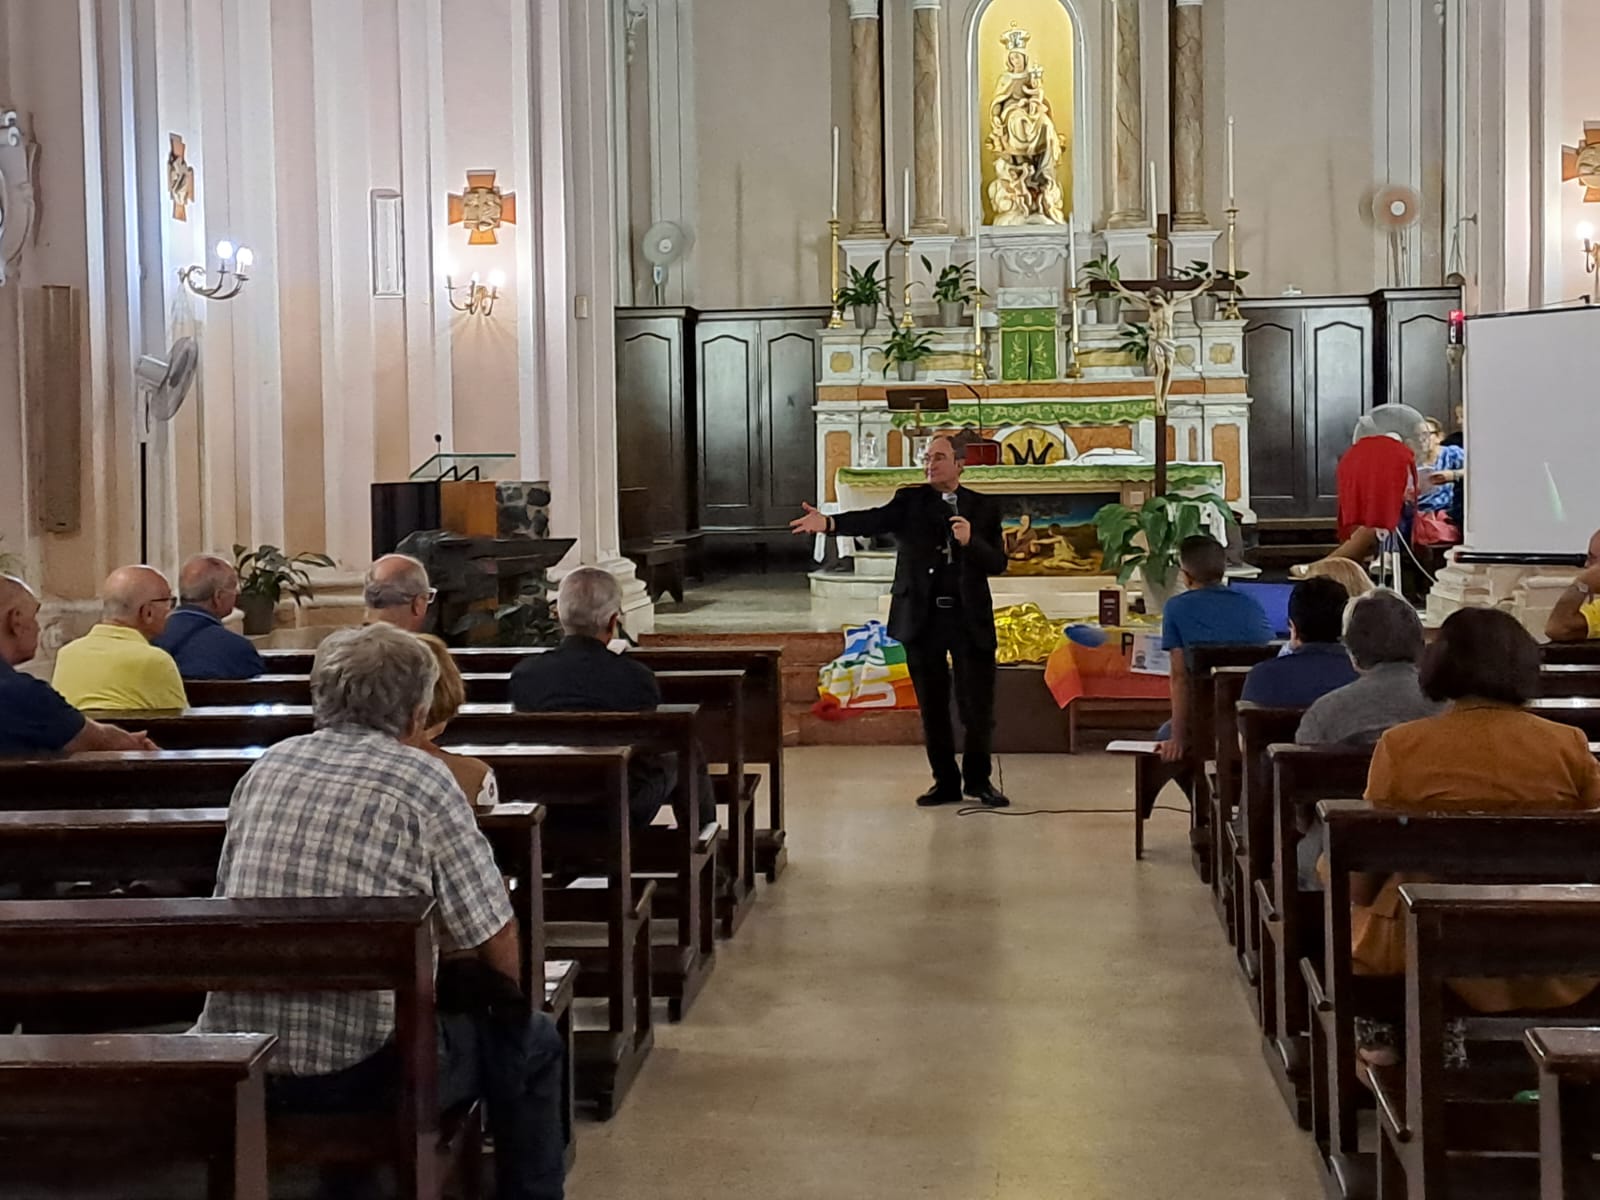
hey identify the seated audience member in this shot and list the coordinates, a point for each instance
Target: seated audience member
(583, 675)
(34, 718)
(352, 810)
(201, 645)
(1441, 470)
(1576, 617)
(1486, 754)
(397, 592)
(114, 667)
(474, 776)
(1384, 637)
(1348, 571)
(1316, 662)
(1209, 613)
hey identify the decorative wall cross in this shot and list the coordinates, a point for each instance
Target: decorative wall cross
(180, 178)
(482, 207)
(1582, 162)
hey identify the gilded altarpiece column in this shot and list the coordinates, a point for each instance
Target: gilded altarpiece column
(866, 118)
(1188, 115)
(1128, 207)
(927, 118)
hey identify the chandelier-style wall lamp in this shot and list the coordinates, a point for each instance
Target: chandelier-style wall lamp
(233, 272)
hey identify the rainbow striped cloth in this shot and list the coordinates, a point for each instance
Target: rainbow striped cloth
(870, 674)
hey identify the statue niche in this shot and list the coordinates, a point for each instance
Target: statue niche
(1027, 147)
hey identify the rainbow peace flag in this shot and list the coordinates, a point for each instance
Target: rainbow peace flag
(870, 674)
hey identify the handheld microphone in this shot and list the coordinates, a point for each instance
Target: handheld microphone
(949, 534)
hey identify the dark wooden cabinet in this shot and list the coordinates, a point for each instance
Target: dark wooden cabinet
(655, 420)
(1316, 364)
(756, 382)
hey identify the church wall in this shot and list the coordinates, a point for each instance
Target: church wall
(1580, 102)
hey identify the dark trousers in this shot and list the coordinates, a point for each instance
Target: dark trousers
(946, 640)
(515, 1067)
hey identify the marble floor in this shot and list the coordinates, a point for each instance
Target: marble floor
(962, 1008)
(779, 602)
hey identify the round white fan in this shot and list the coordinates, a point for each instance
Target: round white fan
(1397, 209)
(665, 243)
(166, 381)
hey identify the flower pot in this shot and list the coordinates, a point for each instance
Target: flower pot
(1205, 307)
(866, 317)
(259, 614)
(952, 314)
(1107, 310)
(907, 371)
(1157, 591)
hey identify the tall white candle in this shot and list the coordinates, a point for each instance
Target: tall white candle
(1154, 208)
(835, 188)
(1232, 193)
(907, 206)
(1072, 252)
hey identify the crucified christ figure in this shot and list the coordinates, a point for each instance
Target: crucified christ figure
(1163, 336)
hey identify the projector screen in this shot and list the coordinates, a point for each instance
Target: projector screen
(1532, 396)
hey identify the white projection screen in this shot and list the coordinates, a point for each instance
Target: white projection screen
(1532, 394)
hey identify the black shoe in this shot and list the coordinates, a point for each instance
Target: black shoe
(988, 796)
(937, 795)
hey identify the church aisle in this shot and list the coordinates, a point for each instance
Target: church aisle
(976, 1008)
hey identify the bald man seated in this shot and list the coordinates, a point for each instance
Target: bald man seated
(397, 592)
(201, 645)
(34, 719)
(113, 667)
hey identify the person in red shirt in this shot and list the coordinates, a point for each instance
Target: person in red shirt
(1377, 479)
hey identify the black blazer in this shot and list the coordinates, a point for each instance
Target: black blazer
(919, 519)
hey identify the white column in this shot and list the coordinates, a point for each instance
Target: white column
(674, 148)
(1397, 124)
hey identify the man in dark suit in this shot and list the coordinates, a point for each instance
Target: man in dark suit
(949, 544)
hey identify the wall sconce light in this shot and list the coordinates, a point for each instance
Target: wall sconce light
(233, 272)
(476, 298)
(1591, 249)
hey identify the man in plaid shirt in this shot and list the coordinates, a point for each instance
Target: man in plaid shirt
(351, 810)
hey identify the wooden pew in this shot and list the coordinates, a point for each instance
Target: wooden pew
(1249, 838)
(1462, 1133)
(724, 730)
(1227, 686)
(763, 708)
(79, 1109)
(1553, 848)
(66, 948)
(1570, 652)
(1569, 1111)
(564, 778)
(684, 853)
(107, 847)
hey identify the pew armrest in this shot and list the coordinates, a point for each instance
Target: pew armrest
(1389, 1086)
(710, 834)
(1315, 994)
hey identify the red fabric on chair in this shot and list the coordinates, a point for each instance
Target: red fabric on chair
(1375, 476)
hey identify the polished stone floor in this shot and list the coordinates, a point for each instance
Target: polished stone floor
(778, 602)
(962, 1008)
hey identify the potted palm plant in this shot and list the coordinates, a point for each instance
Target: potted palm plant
(1203, 304)
(952, 288)
(1147, 539)
(266, 575)
(905, 349)
(863, 294)
(1136, 342)
(1100, 274)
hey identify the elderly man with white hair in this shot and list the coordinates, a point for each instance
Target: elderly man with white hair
(397, 592)
(114, 667)
(34, 718)
(583, 675)
(201, 645)
(352, 810)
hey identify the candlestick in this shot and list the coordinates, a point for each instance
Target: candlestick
(835, 189)
(1074, 371)
(1072, 251)
(1232, 194)
(980, 361)
(906, 321)
(835, 318)
(1153, 208)
(907, 203)
(1232, 313)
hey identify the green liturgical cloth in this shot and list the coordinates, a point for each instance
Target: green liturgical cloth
(1027, 344)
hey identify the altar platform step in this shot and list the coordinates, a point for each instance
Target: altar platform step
(1284, 543)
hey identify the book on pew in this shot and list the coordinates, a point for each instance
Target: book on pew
(1131, 747)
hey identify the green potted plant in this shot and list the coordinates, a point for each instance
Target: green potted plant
(952, 288)
(1100, 274)
(266, 575)
(1228, 283)
(1203, 304)
(904, 349)
(1136, 341)
(1147, 539)
(863, 294)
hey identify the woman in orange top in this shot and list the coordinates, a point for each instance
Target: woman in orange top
(475, 776)
(1486, 754)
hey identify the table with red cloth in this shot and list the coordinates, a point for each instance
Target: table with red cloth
(1102, 678)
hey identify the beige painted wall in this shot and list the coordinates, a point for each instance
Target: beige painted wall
(1580, 102)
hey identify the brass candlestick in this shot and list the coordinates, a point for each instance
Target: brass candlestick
(835, 318)
(905, 320)
(1232, 313)
(1074, 371)
(980, 360)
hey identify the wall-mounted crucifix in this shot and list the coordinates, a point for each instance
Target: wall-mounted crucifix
(1582, 162)
(482, 208)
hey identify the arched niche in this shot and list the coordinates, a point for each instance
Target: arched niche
(985, 21)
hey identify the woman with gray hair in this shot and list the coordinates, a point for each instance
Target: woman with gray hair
(1384, 637)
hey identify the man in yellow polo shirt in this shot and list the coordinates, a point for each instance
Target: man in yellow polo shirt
(1576, 616)
(114, 667)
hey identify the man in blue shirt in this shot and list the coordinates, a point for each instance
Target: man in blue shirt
(34, 719)
(1207, 614)
(1316, 662)
(195, 636)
